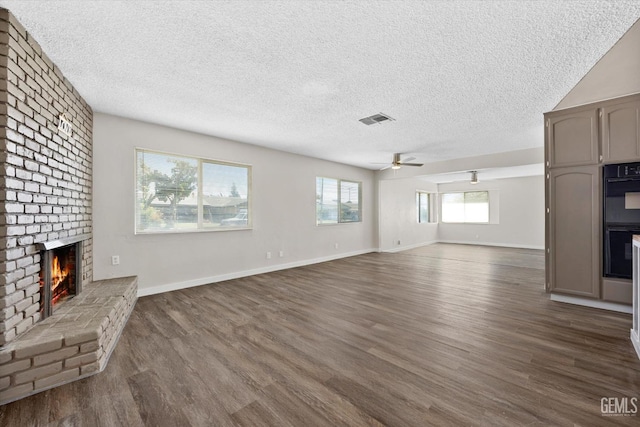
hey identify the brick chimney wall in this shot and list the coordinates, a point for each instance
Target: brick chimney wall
(46, 176)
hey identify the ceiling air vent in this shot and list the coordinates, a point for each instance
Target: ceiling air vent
(376, 118)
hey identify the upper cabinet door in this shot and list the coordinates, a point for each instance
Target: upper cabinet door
(621, 132)
(573, 138)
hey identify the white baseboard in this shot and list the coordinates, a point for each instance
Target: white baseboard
(407, 247)
(586, 302)
(478, 243)
(142, 292)
(635, 339)
(152, 290)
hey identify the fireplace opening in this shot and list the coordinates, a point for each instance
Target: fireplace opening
(60, 275)
(63, 275)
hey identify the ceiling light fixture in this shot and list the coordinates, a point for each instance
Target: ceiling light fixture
(474, 177)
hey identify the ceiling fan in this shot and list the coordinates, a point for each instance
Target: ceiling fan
(397, 162)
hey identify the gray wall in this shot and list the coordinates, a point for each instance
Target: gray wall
(398, 215)
(516, 214)
(283, 202)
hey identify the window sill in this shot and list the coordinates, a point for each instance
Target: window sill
(469, 223)
(199, 230)
(330, 224)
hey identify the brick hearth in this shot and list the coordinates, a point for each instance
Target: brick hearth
(75, 342)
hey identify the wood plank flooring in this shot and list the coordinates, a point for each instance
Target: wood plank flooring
(444, 335)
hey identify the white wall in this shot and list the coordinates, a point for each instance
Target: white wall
(398, 216)
(520, 214)
(283, 203)
(616, 74)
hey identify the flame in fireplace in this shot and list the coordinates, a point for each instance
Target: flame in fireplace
(57, 277)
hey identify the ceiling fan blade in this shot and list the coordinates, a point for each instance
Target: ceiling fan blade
(408, 159)
(411, 164)
(386, 167)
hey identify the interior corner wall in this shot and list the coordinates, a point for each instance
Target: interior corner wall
(616, 74)
(283, 199)
(518, 223)
(398, 215)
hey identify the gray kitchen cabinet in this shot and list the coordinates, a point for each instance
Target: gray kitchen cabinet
(572, 137)
(621, 130)
(574, 230)
(578, 142)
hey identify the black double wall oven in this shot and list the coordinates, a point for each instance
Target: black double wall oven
(621, 217)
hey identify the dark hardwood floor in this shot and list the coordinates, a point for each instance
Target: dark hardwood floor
(440, 335)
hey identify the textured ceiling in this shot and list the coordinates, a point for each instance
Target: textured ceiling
(460, 78)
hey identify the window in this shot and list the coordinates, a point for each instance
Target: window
(179, 193)
(337, 201)
(423, 204)
(472, 206)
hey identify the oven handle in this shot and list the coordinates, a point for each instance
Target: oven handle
(609, 180)
(634, 230)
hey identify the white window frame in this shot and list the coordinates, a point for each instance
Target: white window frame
(200, 225)
(430, 211)
(339, 190)
(488, 221)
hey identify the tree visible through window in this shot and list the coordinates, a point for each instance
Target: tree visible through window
(337, 201)
(179, 193)
(471, 206)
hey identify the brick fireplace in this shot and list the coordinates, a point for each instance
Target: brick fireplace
(56, 324)
(46, 178)
(45, 217)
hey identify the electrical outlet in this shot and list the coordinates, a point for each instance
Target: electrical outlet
(281, 254)
(335, 246)
(268, 255)
(115, 260)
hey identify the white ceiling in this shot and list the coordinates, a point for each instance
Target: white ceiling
(460, 78)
